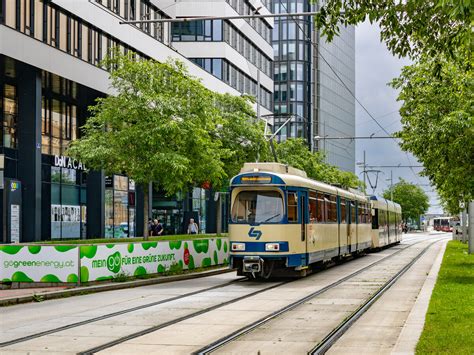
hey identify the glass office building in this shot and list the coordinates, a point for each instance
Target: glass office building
(51, 71)
(307, 89)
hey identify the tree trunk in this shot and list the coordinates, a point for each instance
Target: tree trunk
(147, 192)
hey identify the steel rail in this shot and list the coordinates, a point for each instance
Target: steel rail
(195, 314)
(335, 334)
(113, 314)
(249, 328)
(176, 320)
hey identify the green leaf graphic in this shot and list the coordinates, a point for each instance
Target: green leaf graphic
(139, 271)
(201, 245)
(161, 268)
(206, 262)
(216, 258)
(219, 243)
(10, 249)
(104, 278)
(110, 246)
(191, 265)
(88, 251)
(6, 280)
(72, 278)
(64, 248)
(186, 246)
(175, 244)
(149, 245)
(130, 248)
(34, 249)
(50, 278)
(21, 277)
(84, 274)
(225, 246)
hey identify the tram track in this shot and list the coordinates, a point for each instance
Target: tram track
(327, 342)
(209, 309)
(179, 319)
(115, 314)
(344, 326)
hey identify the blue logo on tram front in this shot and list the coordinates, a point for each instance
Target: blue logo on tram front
(254, 233)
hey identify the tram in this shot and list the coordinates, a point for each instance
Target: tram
(283, 223)
(443, 224)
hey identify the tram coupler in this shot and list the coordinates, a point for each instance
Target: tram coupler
(252, 264)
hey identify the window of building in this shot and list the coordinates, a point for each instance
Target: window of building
(119, 207)
(68, 203)
(10, 116)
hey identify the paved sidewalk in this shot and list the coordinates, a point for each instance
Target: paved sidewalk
(22, 292)
(23, 295)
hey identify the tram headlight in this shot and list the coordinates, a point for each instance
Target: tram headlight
(238, 246)
(272, 247)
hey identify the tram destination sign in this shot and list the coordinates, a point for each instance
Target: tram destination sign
(256, 179)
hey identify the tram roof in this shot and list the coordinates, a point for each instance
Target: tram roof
(298, 178)
(379, 202)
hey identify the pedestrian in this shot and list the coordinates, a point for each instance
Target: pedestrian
(193, 228)
(157, 228)
(150, 227)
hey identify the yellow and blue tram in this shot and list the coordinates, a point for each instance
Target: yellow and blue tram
(284, 222)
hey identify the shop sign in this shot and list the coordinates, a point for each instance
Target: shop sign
(15, 224)
(39, 263)
(66, 162)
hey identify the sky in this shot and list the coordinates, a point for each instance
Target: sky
(375, 67)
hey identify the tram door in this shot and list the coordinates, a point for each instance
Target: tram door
(352, 226)
(303, 212)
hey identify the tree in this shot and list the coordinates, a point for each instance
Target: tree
(411, 198)
(408, 27)
(295, 152)
(438, 124)
(164, 126)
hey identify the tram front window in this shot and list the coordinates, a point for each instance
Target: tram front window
(257, 207)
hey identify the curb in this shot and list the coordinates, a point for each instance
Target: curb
(111, 287)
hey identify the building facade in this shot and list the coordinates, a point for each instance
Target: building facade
(51, 71)
(307, 78)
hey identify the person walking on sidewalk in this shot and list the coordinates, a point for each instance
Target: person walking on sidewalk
(193, 228)
(157, 228)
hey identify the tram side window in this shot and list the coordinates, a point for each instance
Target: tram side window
(353, 212)
(292, 207)
(375, 222)
(331, 204)
(321, 210)
(360, 212)
(343, 210)
(312, 206)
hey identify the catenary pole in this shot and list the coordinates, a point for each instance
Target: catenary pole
(470, 233)
(464, 224)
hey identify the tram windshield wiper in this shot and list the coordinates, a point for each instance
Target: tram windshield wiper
(270, 218)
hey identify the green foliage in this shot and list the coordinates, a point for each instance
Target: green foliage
(165, 126)
(408, 28)
(438, 124)
(295, 152)
(413, 200)
(448, 324)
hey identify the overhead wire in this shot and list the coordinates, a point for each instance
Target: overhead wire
(345, 85)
